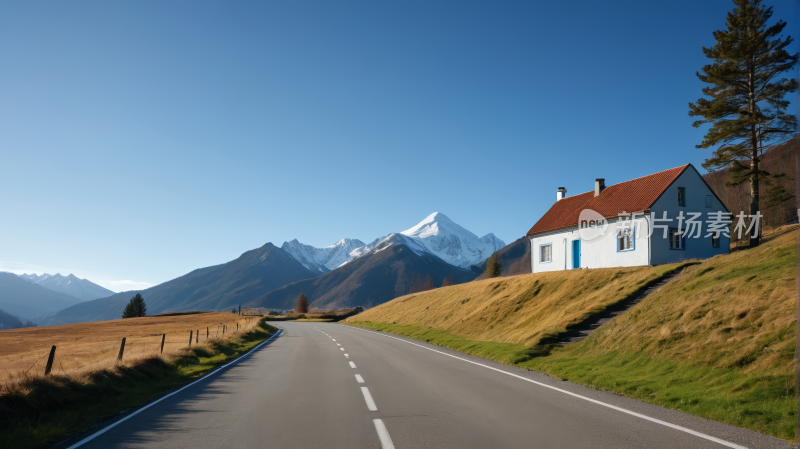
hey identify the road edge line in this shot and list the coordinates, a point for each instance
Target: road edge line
(145, 407)
(595, 401)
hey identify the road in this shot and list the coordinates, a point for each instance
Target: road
(324, 385)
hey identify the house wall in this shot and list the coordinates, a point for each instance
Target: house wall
(600, 252)
(696, 192)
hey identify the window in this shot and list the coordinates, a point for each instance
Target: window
(715, 241)
(546, 253)
(681, 196)
(675, 239)
(625, 240)
(708, 201)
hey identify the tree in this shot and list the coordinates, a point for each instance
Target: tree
(302, 304)
(747, 110)
(428, 283)
(493, 266)
(135, 308)
(448, 280)
(418, 285)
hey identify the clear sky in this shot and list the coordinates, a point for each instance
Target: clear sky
(140, 140)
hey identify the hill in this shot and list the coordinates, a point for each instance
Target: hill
(718, 341)
(72, 285)
(27, 300)
(219, 287)
(388, 271)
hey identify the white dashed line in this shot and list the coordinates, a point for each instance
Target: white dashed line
(342, 349)
(383, 434)
(347, 355)
(337, 344)
(613, 407)
(359, 378)
(368, 399)
(333, 339)
(352, 365)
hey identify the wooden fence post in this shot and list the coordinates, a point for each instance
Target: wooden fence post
(206, 332)
(190, 338)
(50, 361)
(197, 337)
(121, 349)
(163, 337)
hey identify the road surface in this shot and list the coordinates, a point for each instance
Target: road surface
(324, 385)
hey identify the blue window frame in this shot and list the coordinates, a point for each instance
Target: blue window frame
(676, 239)
(682, 196)
(546, 253)
(626, 240)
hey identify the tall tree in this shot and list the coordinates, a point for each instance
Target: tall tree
(447, 281)
(302, 304)
(418, 285)
(135, 308)
(746, 106)
(428, 283)
(493, 266)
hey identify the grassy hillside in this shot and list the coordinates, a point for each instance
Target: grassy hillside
(718, 341)
(519, 309)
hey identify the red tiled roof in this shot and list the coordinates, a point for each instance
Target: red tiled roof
(631, 196)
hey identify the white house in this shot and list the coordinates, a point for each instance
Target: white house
(610, 226)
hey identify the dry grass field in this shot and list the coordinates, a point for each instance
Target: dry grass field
(518, 309)
(88, 346)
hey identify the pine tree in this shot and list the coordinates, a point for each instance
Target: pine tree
(302, 304)
(135, 308)
(493, 266)
(448, 280)
(428, 283)
(747, 110)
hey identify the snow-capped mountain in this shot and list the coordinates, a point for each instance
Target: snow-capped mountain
(436, 235)
(452, 243)
(70, 284)
(323, 260)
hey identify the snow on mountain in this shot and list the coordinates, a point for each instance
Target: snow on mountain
(323, 260)
(452, 243)
(436, 234)
(70, 284)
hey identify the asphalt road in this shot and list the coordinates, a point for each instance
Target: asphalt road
(321, 385)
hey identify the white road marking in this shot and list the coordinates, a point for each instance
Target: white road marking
(383, 434)
(333, 339)
(342, 349)
(613, 407)
(359, 378)
(352, 365)
(368, 399)
(105, 429)
(337, 344)
(347, 355)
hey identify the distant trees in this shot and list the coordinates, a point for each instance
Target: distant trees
(421, 285)
(302, 304)
(747, 110)
(135, 308)
(493, 266)
(448, 280)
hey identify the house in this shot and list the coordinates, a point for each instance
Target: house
(665, 217)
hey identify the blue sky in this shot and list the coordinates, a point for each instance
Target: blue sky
(142, 140)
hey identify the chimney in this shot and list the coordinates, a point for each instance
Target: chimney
(561, 193)
(599, 186)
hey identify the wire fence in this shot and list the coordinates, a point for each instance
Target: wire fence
(88, 351)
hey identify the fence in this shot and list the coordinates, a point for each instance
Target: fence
(93, 346)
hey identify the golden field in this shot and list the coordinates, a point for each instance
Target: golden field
(87, 346)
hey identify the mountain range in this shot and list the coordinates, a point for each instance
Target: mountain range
(345, 274)
(27, 300)
(82, 289)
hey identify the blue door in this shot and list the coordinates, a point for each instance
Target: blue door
(576, 254)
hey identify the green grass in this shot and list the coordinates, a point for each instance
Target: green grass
(757, 401)
(39, 411)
